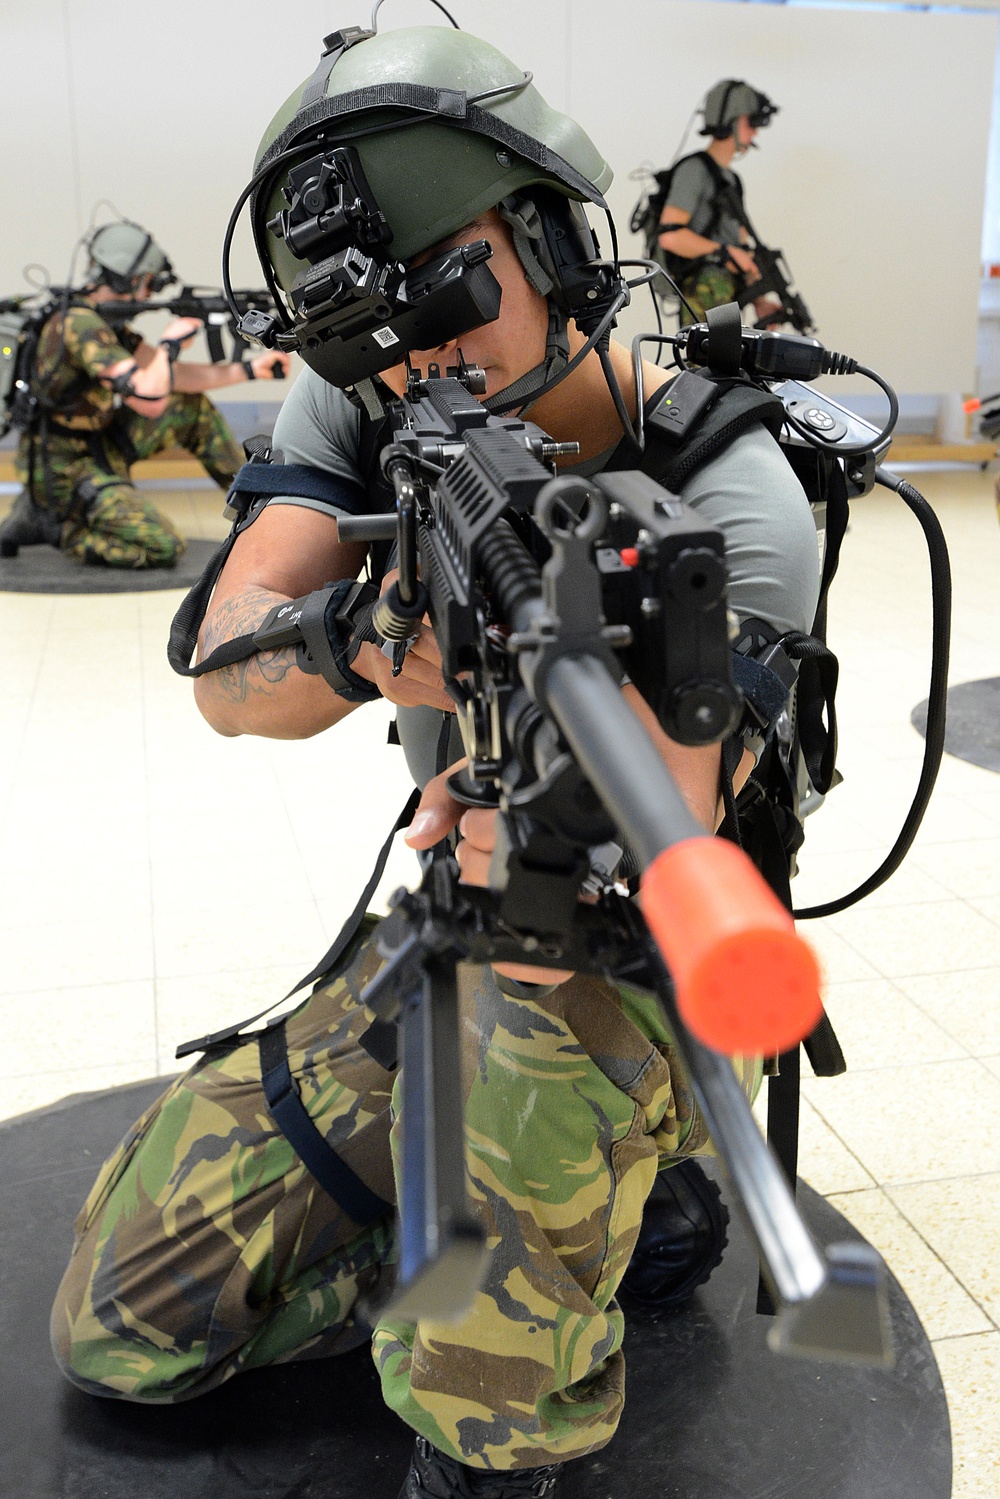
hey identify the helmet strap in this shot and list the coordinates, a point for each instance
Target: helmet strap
(521, 216)
(524, 221)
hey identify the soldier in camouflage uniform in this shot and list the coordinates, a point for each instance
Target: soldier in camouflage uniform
(108, 400)
(206, 1247)
(710, 286)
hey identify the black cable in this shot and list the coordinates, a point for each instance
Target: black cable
(675, 288)
(937, 699)
(661, 338)
(504, 88)
(522, 403)
(840, 364)
(227, 240)
(604, 354)
(380, 3)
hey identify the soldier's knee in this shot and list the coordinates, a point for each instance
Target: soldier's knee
(120, 1364)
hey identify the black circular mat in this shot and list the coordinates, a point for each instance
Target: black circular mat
(973, 730)
(44, 569)
(711, 1413)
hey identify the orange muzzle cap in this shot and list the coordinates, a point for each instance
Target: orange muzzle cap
(746, 982)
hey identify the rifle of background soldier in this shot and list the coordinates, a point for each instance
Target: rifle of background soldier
(211, 310)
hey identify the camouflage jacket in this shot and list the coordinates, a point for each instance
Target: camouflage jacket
(73, 352)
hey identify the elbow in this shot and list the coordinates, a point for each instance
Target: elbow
(151, 409)
(213, 712)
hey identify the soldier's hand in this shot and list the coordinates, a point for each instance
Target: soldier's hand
(744, 261)
(271, 365)
(437, 813)
(420, 683)
(181, 329)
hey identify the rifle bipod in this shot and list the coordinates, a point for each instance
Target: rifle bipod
(830, 1303)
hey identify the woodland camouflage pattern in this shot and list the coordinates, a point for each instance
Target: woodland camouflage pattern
(709, 287)
(88, 483)
(205, 1248)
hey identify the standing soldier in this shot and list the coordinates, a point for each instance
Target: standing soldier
(106, 399)
(701, 222)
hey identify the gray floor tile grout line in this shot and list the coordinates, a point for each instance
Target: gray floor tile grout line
(960, 1337)
(940, 1259)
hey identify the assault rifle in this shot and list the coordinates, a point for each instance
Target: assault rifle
(204, 303)
(775, 279)
(541, 589)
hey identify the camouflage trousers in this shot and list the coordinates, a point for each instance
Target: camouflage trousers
(708, 287)
(86, 480)
(205, 1248)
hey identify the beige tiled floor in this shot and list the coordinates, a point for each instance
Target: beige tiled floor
(159, 881)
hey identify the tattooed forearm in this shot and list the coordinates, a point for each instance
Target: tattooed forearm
(241, 614)
(267, 694)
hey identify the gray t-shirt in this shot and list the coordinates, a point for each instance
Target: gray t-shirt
(692, 188)
(748, 491)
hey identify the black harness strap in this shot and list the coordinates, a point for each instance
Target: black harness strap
(739, 408)
(816, 696)
(288, 1112)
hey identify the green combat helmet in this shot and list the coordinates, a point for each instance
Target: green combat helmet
(122, 252)
(395, 142)
(728, 101)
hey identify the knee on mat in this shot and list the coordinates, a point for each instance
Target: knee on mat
(117, 1366)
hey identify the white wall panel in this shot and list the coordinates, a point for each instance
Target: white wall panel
(871, 177)
(37, 143)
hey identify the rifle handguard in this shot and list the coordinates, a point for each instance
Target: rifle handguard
(746, 982)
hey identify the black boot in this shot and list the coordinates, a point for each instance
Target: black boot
(27, 526)
(682, 1239)
(432, 1475)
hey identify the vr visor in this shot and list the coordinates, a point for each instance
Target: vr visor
(355, 309)
(763, 113)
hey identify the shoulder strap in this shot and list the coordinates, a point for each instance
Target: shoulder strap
(289, 1113)
(726, 195)
(255, 483)
(738, 408)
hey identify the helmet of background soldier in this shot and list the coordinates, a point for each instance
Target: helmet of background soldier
(728, 101)
(122, 252)
(445, 127)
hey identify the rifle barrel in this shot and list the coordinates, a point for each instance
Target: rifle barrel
(746, 982)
